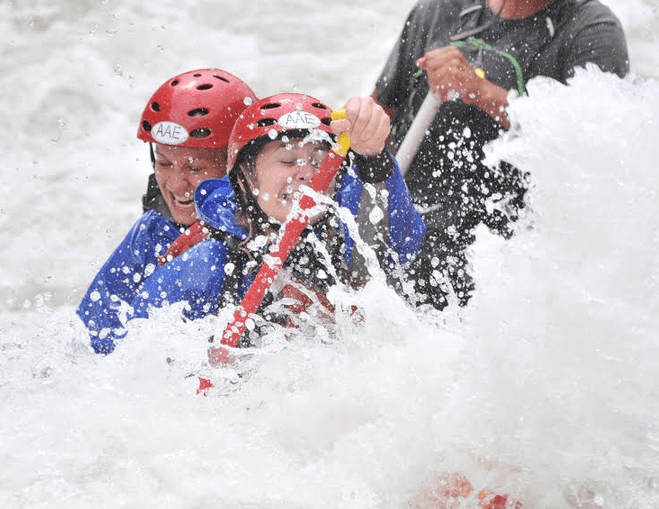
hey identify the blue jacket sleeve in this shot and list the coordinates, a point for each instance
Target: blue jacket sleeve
(405, 227)
(104, 307)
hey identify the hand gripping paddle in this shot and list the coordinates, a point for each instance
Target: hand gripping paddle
(422, 120)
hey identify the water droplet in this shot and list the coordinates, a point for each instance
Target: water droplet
(376, 215)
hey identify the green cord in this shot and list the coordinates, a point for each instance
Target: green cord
(479, 43)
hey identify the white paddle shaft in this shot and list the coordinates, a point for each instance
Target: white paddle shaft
(412, 140)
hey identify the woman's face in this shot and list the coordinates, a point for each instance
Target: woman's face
(179, 170)
(281, 168)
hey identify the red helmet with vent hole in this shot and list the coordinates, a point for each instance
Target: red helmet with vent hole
(195, 109)
(269, 117)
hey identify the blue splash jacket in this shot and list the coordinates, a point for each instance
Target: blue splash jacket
(132, 275)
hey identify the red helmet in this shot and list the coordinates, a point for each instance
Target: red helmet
(276, 114)
(195, 109)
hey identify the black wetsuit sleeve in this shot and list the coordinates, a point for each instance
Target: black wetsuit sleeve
(374, 169)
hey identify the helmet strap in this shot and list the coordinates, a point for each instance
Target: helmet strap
(153, 156)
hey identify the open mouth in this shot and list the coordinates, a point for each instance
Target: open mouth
(183, 202)
(290, 194)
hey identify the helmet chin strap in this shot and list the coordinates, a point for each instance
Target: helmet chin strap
(153, 156)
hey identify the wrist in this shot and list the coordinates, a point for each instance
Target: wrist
(374, 169)
(493, 100)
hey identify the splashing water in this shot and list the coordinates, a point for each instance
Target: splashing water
(544, 388)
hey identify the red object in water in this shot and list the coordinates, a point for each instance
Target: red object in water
(204, 385)
(497, 502)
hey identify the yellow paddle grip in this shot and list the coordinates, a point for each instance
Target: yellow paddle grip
(343, 143)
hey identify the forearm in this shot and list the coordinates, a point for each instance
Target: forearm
(406, 227)
(493, 100)
(104, 308)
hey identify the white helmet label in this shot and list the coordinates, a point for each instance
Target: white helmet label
(299, 120)
(169, 133)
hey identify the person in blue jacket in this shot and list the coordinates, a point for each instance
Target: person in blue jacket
(276, 147)
(187, 123)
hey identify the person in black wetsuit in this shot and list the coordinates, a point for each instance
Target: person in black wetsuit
(442, 45)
